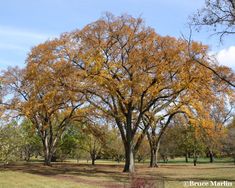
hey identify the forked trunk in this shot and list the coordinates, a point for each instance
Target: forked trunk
(153, 160)
(154, 155)
(49, 150)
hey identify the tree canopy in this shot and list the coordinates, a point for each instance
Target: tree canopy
(115, 68)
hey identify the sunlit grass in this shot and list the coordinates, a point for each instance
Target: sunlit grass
(9, 179)
(72, 174)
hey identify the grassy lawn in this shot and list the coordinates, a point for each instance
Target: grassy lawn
(13, 179)
(175, 175)
(200, 160)
(109, 174)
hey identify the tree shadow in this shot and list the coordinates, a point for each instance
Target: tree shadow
(109, 175)
(97, 174)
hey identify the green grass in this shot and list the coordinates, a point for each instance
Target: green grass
(108, 174)
(10, 179)
(200, 160)
(176, 174)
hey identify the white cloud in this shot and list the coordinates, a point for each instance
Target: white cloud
(16, 32)
(227, 57)
(15, 43)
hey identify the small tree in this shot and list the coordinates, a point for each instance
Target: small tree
(113, 147)
(229, 143)
(68, 145)
(92, 140)
(31, 143)
(10, 142)
(143, 152)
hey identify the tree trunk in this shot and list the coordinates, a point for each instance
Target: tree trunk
(154, 163)
(93, 161)
(154, 154)
(47, 158)
(151, 157)
(49, 150)
(129, 158)
(93, 158)
(151, 149)
(54, 158)
(129, 145)
(195, 159)
(211, 155)
(186, 157)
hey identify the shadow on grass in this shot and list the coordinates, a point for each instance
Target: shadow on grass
(111, 175)
(97, 174)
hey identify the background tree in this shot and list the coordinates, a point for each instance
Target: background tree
(10, 142)
(69, 144)
(143, 151)
(113, 148)
(186, 102)
(38, 94)
(172, 140)
(31, 142)
(229, 142)
(219, 15)
(93, 140)
(155, 133)
(183, 136)
(197, 145)
(214, 132)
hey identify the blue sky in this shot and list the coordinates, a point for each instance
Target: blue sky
(26, 23)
